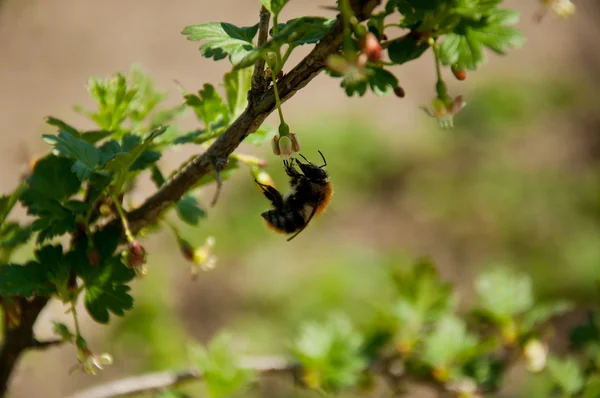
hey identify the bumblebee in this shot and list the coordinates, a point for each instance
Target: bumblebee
(310, 194)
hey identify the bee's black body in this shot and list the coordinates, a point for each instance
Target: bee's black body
(310, 195)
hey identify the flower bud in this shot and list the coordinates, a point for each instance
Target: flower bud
(135, 255)
(337, 63)
(371, 47)
(399, 92)
(459, 73)
(536, 354)
(93, 256)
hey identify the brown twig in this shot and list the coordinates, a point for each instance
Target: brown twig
(18, 339)
(150, 382)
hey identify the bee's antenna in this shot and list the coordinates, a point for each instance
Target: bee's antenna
(302, 156)
(324, 161)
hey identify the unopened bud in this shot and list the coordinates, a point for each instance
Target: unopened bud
(371, 47)
(399, 92)
(459, 73)
(93, 256)
(135, 255)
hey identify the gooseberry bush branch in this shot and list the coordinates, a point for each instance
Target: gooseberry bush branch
(81, 191)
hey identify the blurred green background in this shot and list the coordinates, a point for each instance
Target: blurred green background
(516, 183)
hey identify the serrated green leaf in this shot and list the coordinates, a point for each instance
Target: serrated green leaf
(189, 210)
(237, 84)
(58, 270)
(274, 6)
(566, 374)
(406, 49)
(24, 280)
(222, 39)
(504, 294)
(220, 367)
(51, 178)
(487, 27)
(86, 156)
(63, 126)
(122, 162)
(331, 353)
(208, 107)
(382, 82)
(102, 299)
(157, 176)
(448, 342)
(145, 160)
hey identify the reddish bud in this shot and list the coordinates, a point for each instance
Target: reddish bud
(186, 249)
(136, 255)
(459, 73)
(93, 256)
(399, 92)
(371, 47)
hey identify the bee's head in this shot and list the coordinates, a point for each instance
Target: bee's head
(312, 172)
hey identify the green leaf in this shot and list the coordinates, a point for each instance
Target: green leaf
(504, 294)
(157, 176)
(122, 163)
(382, 82)
(209, 107)
(295, 32)
(113, 97)
(102, 299)
(592, 387)
(586, 333)
(261, 135)
(189, 210)
(24, 280)
(58, 270)
(86, 156)
(222, 39)
(63, 126)
(464, 46)
(189, 137)
(330, 354)
(96, 135)
(51, 178)
(274, 6)
(566, 374)
(541, 312)
(237, 84)
(406, 49)
(448, 343)
(7, 203)
(220, 367)
(13, 235)
(50, 184)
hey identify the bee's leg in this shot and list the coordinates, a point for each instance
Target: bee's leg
(272, 194)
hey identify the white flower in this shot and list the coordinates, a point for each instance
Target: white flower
(445, 110)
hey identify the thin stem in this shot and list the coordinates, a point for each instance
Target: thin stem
(75, 319)
(277, 98)
(287, 54)
(438, 67)
(128, 234)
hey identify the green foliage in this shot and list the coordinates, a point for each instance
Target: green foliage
(330, 354)
(24, 280)
(222, 40)
(220, 367)
(566, 374)
(504, 294)
(449, 343)
(274, 6)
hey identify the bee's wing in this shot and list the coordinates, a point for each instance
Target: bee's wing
(314, 210)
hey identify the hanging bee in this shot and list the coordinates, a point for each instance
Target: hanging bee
(310, 194)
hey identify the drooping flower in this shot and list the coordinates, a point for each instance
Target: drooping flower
(285, 145)
(445, 109)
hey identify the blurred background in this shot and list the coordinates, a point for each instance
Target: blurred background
(516, 183)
